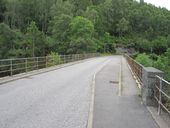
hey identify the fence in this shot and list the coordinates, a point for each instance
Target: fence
(161, 89)
(10, 67)
(162, 94)
(136, 68)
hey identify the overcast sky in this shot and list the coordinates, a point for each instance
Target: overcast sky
(161, 3)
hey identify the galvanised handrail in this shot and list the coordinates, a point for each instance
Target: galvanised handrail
(10, 67)
(162, 94)
(136, 68)
(161, 89)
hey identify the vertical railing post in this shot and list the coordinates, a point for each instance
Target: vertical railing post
(46, 61)
(64, 58)
(78, 56)
(160, 97)
(73, 57)
(37, 63)
(69, 58)
(59, 60)
(53, 60)
(26, 65)
(11, 68)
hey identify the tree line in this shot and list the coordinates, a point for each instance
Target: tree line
(31, 28)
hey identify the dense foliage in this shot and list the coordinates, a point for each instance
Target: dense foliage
(31, 28)
(39, 27)
(161, 62)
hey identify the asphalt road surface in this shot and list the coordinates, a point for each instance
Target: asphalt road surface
(56, 99)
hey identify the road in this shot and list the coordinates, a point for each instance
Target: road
(56, 99)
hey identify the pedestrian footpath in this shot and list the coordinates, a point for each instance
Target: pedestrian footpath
(112, 110)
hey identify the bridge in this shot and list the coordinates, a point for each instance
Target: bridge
(81, 91)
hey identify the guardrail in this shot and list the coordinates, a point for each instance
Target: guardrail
(161, 89)
(10, 67)
(136, 68)
(162, 94)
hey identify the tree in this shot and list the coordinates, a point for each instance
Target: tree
(45, 17)
(10, 42)
(108, 43)
(92, 14)
(57, 26)
(168, 41)
(144, 60)
(122, 26)
(60, 26)
(96, 2)
(60, 32)
(80, 6)
(81, 27)
(159, 45)
(6, 40)
(35, 39)
(143, 45)
(168, 55)
(2, 9)
(163, 64)
(81, 35)
(141, 1)
(81, 45)
(62, 7)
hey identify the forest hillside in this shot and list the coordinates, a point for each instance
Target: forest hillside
(30, 28)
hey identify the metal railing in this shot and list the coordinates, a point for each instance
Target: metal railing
(10, 67)
(161, 88)
(136, 68)
(162, 94)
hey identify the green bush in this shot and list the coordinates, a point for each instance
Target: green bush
(53, 59)
(144, 59)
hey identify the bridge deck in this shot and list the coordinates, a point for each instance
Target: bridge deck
(61, 98)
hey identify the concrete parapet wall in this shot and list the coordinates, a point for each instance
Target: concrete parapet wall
(149, 81)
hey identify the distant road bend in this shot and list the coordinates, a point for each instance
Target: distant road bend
(55, 99)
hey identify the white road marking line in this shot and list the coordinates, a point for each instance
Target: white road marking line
(90, 119)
